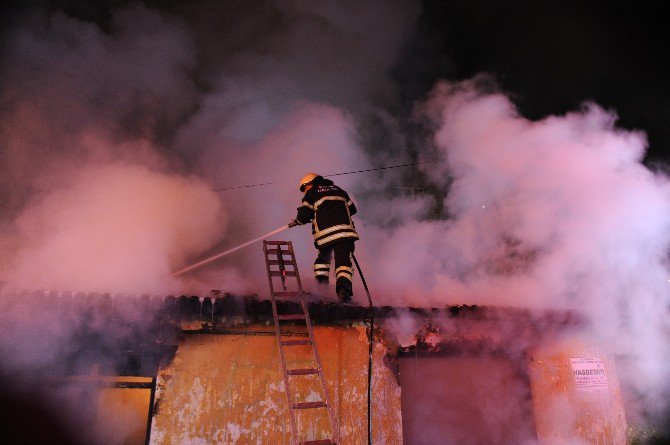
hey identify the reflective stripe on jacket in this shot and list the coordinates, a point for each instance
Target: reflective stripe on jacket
(329, 209)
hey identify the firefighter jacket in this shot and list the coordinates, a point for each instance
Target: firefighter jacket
(329, 209)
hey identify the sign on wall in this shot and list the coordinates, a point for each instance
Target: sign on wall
(589, 373)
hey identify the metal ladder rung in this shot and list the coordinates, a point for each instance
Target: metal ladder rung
(279, 255)
(292, 317)
(310, 405)
(305, 371)
(283, 273)
(285, 262)
(285, 294)
(295, 342)
(278, 252)
(294, 334)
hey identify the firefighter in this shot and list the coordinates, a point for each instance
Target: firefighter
(329, 208)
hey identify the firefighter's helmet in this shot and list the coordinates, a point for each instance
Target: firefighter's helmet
(307, 179)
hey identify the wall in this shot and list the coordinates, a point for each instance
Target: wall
(463, 399)
(229, 389)
(225, 388)
(122, 415)
(567, 413)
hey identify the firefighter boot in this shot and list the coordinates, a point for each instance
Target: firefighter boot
(344, 293)
(322, 279)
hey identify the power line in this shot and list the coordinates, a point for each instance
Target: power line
(325, 176)
(375, 169)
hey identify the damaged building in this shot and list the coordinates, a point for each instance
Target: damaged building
(200, 370)
(508, 162)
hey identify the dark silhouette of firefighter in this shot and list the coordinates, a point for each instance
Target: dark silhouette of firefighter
(329, 208)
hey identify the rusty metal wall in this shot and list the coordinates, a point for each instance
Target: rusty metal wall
(229, 389)
(566, 413)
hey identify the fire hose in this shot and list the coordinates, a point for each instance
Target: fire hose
(234, 249)
(370, 347)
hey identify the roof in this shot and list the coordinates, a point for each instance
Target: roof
(136, 333)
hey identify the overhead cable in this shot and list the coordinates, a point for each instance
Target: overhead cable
(325, 176)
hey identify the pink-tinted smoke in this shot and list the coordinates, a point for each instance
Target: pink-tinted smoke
(91, 201)
(118, 227)
(557, 213)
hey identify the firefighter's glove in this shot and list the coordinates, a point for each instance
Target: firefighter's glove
(293, 223)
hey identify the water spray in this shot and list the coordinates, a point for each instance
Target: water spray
(234, 249)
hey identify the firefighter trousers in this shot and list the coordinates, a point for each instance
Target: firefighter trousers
(344, 271)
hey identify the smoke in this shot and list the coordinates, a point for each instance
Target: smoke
(114, 134)
(283, 102)
(557, 213)
(159, 218)
(85, 186)
(559, 208)
(182, 92)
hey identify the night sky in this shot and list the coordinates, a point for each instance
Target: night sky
(552, 56)
(549, 56)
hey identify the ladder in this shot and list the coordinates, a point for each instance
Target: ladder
(284, 268)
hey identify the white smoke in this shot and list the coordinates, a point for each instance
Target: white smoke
(558, 213)
(91, 202)
(115, 227)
